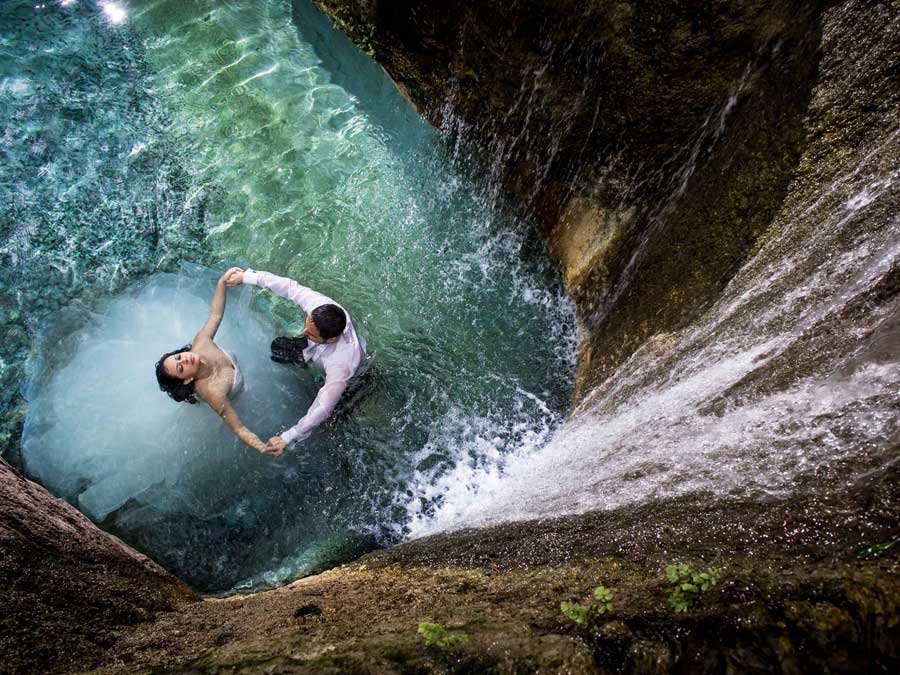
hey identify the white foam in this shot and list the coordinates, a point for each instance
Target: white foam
(665, 423)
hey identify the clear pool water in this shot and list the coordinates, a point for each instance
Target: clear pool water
(148, 145)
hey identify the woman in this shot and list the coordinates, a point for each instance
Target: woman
(204, 370)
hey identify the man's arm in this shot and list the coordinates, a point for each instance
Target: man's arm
(320, 410)
(306, 298)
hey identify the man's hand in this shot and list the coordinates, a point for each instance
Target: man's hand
(275, 446)
(234, 276)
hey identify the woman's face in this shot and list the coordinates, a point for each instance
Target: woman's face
(183, 365)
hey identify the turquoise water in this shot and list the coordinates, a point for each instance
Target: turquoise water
(146, 150)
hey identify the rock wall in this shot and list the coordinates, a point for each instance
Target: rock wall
(654, 142)
(68, 588)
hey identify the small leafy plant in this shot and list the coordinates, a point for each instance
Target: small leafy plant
(688, 585)
(581, 614)
(436, 635)
(604, 599)
(575, 612)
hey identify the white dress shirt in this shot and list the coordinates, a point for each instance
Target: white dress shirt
(340, 360)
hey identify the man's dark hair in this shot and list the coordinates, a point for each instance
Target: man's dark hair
(330, 320)
(172, 385)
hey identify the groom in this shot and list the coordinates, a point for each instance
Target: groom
(334, 348)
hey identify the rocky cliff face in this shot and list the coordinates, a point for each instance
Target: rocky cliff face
(654, 142)
(68, 588)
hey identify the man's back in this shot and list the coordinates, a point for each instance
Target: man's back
(340, 357)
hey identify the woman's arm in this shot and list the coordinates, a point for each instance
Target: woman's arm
(216, 310)
(224, 409)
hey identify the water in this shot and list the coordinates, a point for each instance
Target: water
(251, 133)
(789, 382)
(80, 212)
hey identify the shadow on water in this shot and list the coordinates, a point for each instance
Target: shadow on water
(359, 75)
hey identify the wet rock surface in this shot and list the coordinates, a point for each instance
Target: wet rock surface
(806, 585)
(69, 589)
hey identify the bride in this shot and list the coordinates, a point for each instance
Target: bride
(203, 369)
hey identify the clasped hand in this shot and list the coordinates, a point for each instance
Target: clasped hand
(274, 447)
(234, 276)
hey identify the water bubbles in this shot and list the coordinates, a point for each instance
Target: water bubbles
(860, 200)
(137, 149)
(14, 86)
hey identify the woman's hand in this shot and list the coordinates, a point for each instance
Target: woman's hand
(234, 276)
(269, 450)
(275, 446)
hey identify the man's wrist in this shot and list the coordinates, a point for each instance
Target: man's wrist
(251, 277)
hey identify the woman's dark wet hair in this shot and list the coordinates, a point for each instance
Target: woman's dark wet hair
(172, 385)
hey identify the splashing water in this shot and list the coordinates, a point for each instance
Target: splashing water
(790, 381)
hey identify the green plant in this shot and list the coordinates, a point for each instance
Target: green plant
(604, 597)
(436, 635)
(575, 612)
(581, 614)
(688, 584)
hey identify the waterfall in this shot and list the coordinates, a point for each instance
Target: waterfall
(789, 382)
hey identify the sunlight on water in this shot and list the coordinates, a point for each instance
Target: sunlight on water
(80, 212)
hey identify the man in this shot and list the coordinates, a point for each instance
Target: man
(334, 348)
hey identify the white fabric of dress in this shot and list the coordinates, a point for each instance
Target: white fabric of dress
(340, 361)
(237, 382)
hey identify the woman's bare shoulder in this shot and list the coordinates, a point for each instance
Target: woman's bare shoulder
(214, 392)
(200, 341)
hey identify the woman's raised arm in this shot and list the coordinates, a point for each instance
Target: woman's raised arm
(216, 309)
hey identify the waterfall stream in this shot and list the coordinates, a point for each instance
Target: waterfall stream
(789, 382)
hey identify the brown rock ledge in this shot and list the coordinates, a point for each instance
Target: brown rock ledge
(801, 590)
(69, 589)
